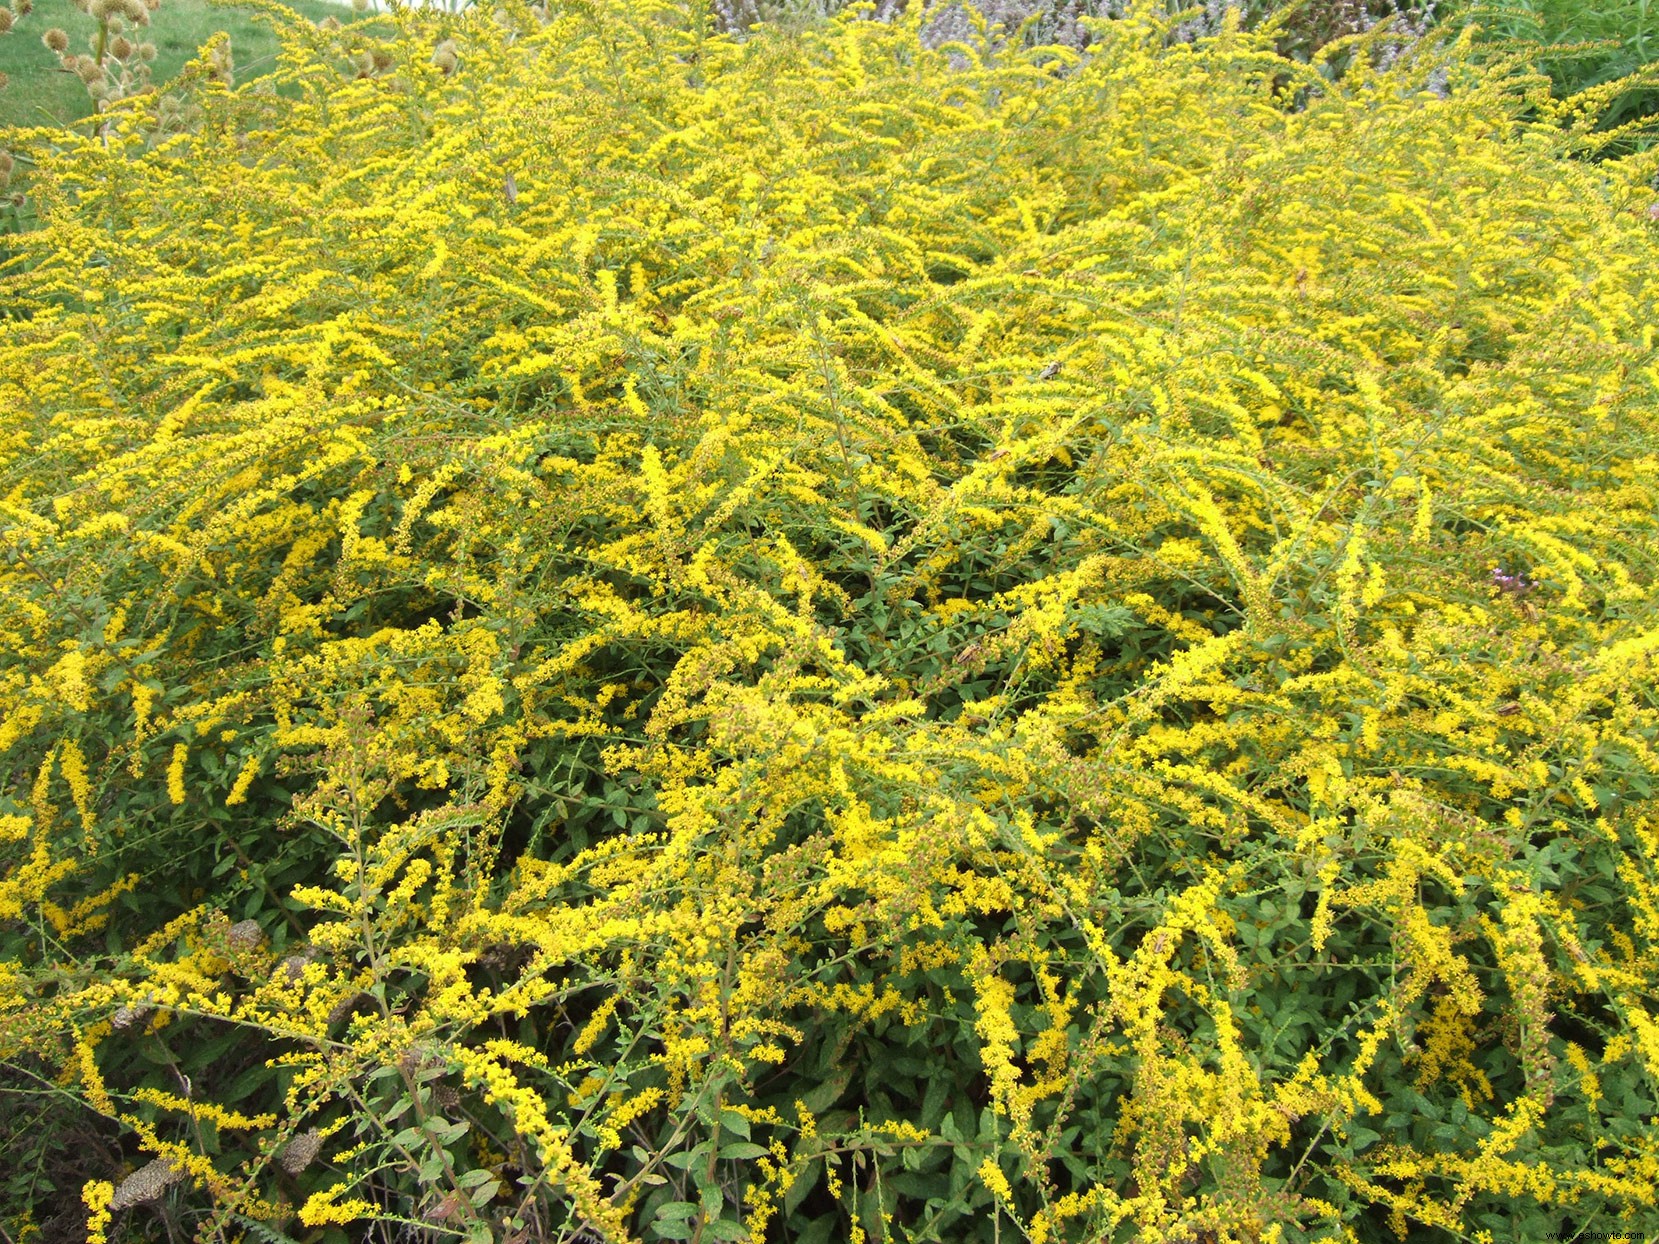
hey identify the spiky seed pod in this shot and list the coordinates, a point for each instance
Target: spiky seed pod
(359, 6)
(364, 63)
(88, 69)
(57, 40)
(444, 57)
(120, 48)
(23, 7)
(145, 1184)
(135, 12)
(6, 19)
(101, 9)
(146, 51)
(329, 23)
(383, 60)
(301, 1151)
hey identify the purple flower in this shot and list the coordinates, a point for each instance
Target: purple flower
(1514, 582)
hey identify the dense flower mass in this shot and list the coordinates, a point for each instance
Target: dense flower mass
(610, 632)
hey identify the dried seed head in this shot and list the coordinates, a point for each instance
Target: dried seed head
(245, 935)
(301, 1151)
(80, 4)
(6, 19)
(329, 23)
(57, 40)
(146, 51)
(446, 1097)
(120, 48)
(6, 164)
(383, 60)
(88, 69)
(359, 6)
(444, 57)
(126, 1017)
(101, 9)
(145, 1184)
(23, 7)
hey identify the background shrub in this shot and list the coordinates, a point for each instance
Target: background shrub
(615, 633)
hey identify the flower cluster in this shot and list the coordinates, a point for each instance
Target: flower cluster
(607, 632)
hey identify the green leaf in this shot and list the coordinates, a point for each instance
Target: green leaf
(725, 1229)
(676, 1210)
(735, 1123)
(804, 1183)
(743, 1150)
(684, 1159)
(827, 1092)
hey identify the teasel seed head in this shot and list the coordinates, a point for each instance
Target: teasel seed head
(101, 9)
(6, 19)
(120, 48)
(23, 7)
(57, 40)
(146, 51)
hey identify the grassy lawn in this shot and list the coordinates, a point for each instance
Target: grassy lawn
(40, 93)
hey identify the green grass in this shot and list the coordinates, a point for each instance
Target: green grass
(39, 93)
